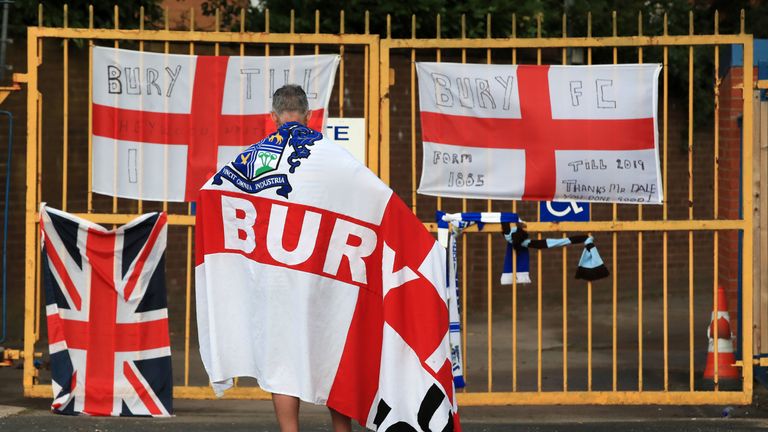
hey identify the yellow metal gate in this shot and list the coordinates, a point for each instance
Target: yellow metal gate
(519, 355)
(71, 191)
(634, 339)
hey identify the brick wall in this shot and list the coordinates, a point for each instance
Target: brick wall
(729, 158)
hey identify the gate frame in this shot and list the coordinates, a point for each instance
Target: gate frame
(378, 123)
(638, 397)
(32, 255)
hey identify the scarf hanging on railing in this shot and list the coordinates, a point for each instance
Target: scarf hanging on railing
(590, 267)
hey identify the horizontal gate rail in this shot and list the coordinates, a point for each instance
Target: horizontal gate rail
(202, 36)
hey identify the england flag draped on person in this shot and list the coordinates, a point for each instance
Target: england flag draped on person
(315, 278)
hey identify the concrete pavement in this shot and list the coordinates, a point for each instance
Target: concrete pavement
(21, 414)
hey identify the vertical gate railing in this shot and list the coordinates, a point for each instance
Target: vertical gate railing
(675, 376)
(190, 380)
(593, 344)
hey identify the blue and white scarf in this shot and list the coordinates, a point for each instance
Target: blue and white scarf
(590, 268)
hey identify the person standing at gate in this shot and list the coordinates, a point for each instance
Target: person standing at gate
(316, 279)
(291, 108)
(291, 114)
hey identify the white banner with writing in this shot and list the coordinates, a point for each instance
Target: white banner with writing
(164, 123)
(585, 133)
(349, 133)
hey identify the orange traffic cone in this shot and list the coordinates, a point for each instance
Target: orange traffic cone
(725, 356)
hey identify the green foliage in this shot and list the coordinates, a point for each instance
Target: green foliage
(24, 13)
(475, 12)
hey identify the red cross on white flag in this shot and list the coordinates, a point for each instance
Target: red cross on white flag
(586, 133)
(163, 123)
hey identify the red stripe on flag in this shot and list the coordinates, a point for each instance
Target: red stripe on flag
(75, 333)
(142, 336)
(131, 284)
(56, 331)
(138, 386)
(357, 377)
(207, 100)
(540, 168)
(210, 200)
(173, 128)
(316, 120)
(61, 270)
(495, 133)
(444, 376)
(140, 126)
(128, 336)
(100, 360)
(408, 307)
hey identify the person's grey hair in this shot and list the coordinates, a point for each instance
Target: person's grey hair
(290, 97)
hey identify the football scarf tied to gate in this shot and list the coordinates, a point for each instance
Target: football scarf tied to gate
(590, 267)
(107, 315)
(315, 278)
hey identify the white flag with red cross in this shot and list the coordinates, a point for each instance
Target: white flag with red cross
(164, 123)
(586, 133)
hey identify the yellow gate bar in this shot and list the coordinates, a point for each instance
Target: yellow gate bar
(598, 226)
(748, 211)
(501, 398)
(604, 398)
(202, 36)
(619, 225)
(558, 42)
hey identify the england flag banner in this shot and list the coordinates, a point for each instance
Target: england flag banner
(107, 315)
(323, 288)
(543, 133)
(164, 123)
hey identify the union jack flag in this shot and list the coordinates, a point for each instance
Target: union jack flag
(107, 315)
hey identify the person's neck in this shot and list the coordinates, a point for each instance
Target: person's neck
(290, 122)
(291, 119)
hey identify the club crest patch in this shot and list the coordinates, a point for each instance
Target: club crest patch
(248, 172)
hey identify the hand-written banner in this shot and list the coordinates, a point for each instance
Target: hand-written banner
(164, 123)
(586, 133)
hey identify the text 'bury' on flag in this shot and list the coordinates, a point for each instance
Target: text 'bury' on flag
(586, 133)
(164, 123)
